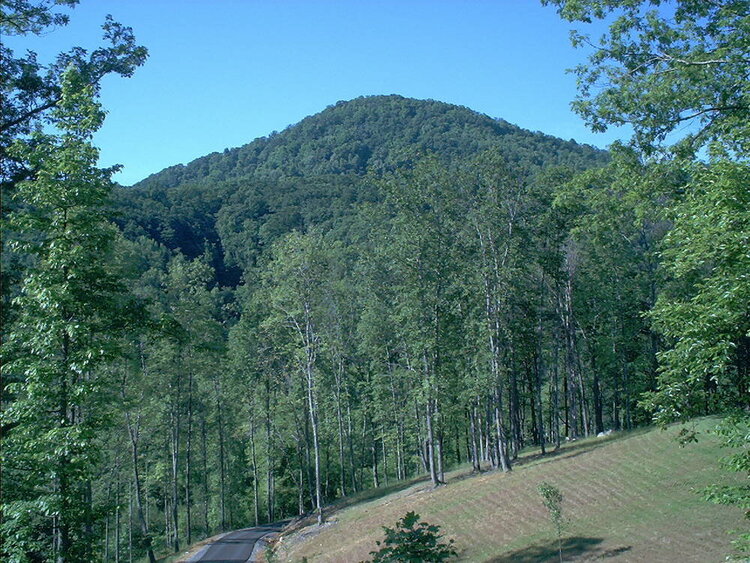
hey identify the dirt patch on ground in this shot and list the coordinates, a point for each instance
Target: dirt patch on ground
(289, 539)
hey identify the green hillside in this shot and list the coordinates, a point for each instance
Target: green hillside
(314, 174)
(628, 497)
(377, 132)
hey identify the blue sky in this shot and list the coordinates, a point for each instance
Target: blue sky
(224, 72)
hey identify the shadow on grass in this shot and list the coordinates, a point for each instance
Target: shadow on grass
(569, 449)
(576, 447)
(340, 504)
(463, 471)
(373, 494)
(572, 548)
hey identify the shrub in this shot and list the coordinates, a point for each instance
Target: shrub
(413, 541)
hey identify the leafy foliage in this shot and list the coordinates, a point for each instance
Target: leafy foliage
(65, 333)
(664, 65)
(30, 90)
(735, 434)
(315, 173)
(353, 298)
(381, 134)
(706, 312)
(414, 541)
(552, 499)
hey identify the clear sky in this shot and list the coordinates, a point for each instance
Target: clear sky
(224, 72)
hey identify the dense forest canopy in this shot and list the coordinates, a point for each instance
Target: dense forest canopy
(374, 133)
(389, 288)
(317, 172)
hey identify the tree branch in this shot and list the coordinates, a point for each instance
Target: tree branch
(29, 114)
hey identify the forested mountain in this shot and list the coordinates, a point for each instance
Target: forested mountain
(314, 173)
(387, 289)
(376, 133)
(407, 298)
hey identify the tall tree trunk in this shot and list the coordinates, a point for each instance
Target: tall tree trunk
(130, 522)
(597, 391)
(385, 460)
(374, 456)
(501, 442)
(253, 459)
(175, 456)
(316, 445)
(167, 526)
(117, 515)
(204, 458)
(350, 437)
(188, 466)
(106, 524)
(475, 463)
(175, 421)
(306, 463)
(222, 456)
(421, 440)
(342, 458)
(571, 360)
(585, 407)
(430, 442)
(309, 340)
(539, 368)
(482, 432)
(440, 451)
(500, 436)
(556, 395)
(269, 455)
(134, 433)
(626, 394)
(63, 486)
(300, 479)
(339, 372)
(514, 412)
(397, 421)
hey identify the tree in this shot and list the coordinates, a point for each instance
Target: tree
(552, 499)
(497, 201)
(294, 280)
(68, 312)
(733, 431)
(665, 65)
(415, 541)
(705, 312)
(422, 247)
(30, 91)
(615, 218)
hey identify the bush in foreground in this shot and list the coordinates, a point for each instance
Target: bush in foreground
(413, 541)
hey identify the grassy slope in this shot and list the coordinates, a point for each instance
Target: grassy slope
(630, 497)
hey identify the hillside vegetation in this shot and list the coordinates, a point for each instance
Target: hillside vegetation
(388, 289)
(315, 174)
(628, 497)
(377, 133)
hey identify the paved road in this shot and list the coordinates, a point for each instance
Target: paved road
(235, 546)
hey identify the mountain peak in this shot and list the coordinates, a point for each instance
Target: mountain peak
(373, 133)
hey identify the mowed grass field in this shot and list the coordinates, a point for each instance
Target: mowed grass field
(627, 497)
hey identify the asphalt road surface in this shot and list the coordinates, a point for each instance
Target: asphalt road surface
(235, 546)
